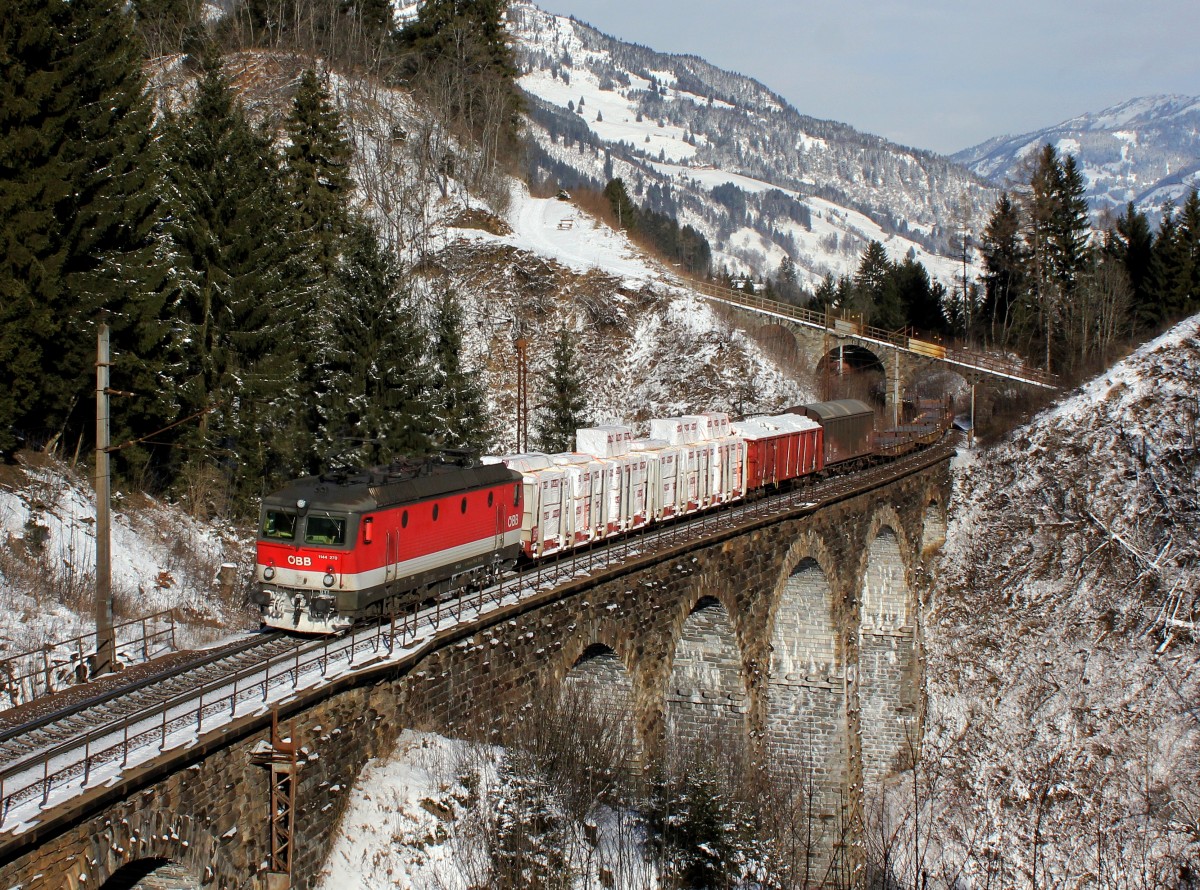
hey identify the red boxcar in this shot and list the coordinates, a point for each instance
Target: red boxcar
(779, 448)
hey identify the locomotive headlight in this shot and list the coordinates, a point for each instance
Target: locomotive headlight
(328, 579)
(268, 573)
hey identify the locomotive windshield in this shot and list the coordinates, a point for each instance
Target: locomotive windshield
(278, 525)
(325, 530)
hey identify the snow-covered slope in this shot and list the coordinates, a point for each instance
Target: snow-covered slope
(648, 347)
(1145, 150)
(162, 560)
(675, 128)
(1064, 654)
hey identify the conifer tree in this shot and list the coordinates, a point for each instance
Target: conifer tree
(457, 398)
(1175, 263)
(875, 292)
(77, 212)
(530, 835)
(317, 168)
(826, 294)
(1186, 295)
(373, 392)
(1072, 230)
(564, 409)
(922, 306)
(243, 292)
(1132, 243)
(1004, 261)
(623, 207)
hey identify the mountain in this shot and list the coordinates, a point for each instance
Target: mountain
(1061, 641)
(731, 158)
(1144, 150)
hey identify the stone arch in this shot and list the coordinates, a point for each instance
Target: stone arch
(933, 380)
(805, 714)
(600, 678)
(779, 341)
(852, 371)
(888, 667)
(153, 850)
(706, 697)
(885, 599)
(152, 874)
(933, 532)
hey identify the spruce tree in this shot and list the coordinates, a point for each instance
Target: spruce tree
(924, 310)
(317, 168)
(77, 213)
(1132, 243)
(1071, 229)
(1004, 262)
(564, 409)
(242, 296)
(1185, 298)
(373, 394)
(876, 295)
(457, 399)
(623, 208)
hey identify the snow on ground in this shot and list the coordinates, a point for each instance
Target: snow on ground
(396, 831)
(649, 346)
(161, 560)
(1063, 661)
(426, 817)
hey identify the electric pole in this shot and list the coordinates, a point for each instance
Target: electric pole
(102, 662)
(522, 395)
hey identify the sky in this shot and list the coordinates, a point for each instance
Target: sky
(929, 74)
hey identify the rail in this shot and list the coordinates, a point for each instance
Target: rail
(27, 676)
(851, 326)
(43, 778)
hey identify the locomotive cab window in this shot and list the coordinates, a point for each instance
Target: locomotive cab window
(325, 530)
(278, 525)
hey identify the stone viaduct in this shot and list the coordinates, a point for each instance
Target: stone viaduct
(798, 633)
(831, 343)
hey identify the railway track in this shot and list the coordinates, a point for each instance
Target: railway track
(93, 740)
(55, 726)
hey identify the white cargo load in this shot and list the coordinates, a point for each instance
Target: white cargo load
(791, 423)
(729, 469)
(752, 429)
(545, 518)
(664, 482)
(710, 425)
(675, 430)
(585, 481)
(604, 441)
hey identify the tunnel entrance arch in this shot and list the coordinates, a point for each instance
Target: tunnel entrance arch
(849, 371)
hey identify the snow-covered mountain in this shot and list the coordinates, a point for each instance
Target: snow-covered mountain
(724, 154)
(1145, 150)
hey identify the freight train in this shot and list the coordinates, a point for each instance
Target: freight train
(335, 548)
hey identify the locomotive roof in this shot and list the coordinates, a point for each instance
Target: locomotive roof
(836, 408)
(399, 483)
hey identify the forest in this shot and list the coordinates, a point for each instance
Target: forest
(261, 327)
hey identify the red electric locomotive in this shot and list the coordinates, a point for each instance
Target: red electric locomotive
(332, 548)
